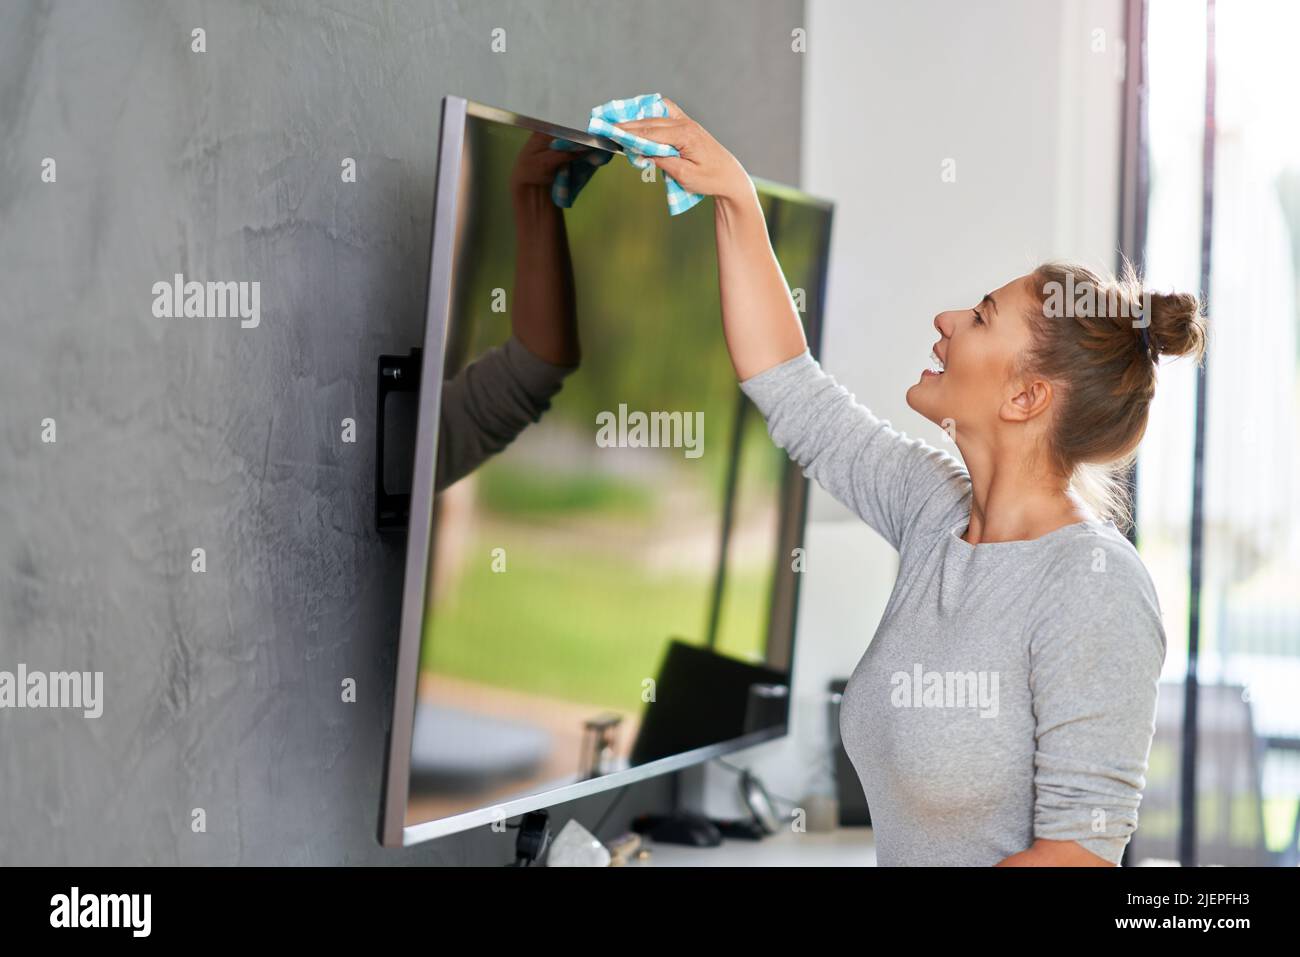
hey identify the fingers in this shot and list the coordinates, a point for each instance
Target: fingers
(674, 166)
(659, 130)
(535, 144)
(650, 123)
(553, 158)
(673, 132)
(674, 110)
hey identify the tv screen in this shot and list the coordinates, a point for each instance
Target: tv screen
(602, 547)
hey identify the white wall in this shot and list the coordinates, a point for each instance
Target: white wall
(1018, 94)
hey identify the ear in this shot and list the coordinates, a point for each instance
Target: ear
(1029, 398)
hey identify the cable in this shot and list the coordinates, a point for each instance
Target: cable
(776, 797)
(622, 792)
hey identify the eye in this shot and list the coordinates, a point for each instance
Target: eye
(979, 320)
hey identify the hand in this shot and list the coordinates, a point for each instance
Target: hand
(536, 165)
(1048, 853)
(704, 166)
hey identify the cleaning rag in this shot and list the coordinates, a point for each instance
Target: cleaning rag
(570, 179)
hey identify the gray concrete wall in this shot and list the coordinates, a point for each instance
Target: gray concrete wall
(222, 689)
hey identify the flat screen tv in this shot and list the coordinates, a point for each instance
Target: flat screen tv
(600, 581)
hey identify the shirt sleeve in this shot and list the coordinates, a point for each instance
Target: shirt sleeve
(1096, 654)
(892, 482)
(488, 403)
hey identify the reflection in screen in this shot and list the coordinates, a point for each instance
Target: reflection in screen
(574, 573)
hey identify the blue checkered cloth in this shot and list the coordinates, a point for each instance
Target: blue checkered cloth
(570, 179)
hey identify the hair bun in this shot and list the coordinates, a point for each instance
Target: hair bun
(1176, 326)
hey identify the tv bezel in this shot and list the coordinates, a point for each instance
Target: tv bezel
(393, 829)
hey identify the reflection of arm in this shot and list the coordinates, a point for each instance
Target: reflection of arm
(488, 403)
(543, 315)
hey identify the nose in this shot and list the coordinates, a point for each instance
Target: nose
(942, 325)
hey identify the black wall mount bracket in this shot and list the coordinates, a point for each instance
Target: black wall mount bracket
(395, 440)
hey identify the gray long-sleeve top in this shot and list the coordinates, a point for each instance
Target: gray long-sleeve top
(1009, 692)
(488, 403)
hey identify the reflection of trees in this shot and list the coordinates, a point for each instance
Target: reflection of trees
(610, 550)
(647, 297)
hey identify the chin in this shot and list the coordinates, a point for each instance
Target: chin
(918, 405)
(914, 402)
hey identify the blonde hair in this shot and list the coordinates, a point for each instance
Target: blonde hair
(1098, 339)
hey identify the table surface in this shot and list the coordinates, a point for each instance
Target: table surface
(843, 847)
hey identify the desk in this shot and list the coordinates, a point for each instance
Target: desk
(843, 847)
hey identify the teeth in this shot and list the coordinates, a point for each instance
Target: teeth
(935, 364)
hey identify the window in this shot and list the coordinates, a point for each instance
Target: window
(1247, 507)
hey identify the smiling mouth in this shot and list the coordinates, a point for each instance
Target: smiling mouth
(936, 366)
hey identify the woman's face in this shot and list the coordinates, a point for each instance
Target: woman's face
(978, 349)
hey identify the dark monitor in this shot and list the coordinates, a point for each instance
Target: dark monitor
(703, 697)
(599, 556)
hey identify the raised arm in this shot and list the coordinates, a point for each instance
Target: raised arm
(759, 318)
(891, 481)
(543, 309)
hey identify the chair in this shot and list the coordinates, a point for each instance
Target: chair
(1230, 817)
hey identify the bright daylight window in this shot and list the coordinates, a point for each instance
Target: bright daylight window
(1248, 726)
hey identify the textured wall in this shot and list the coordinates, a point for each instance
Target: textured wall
(222, 689)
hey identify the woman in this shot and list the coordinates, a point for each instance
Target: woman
(1003, 712)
